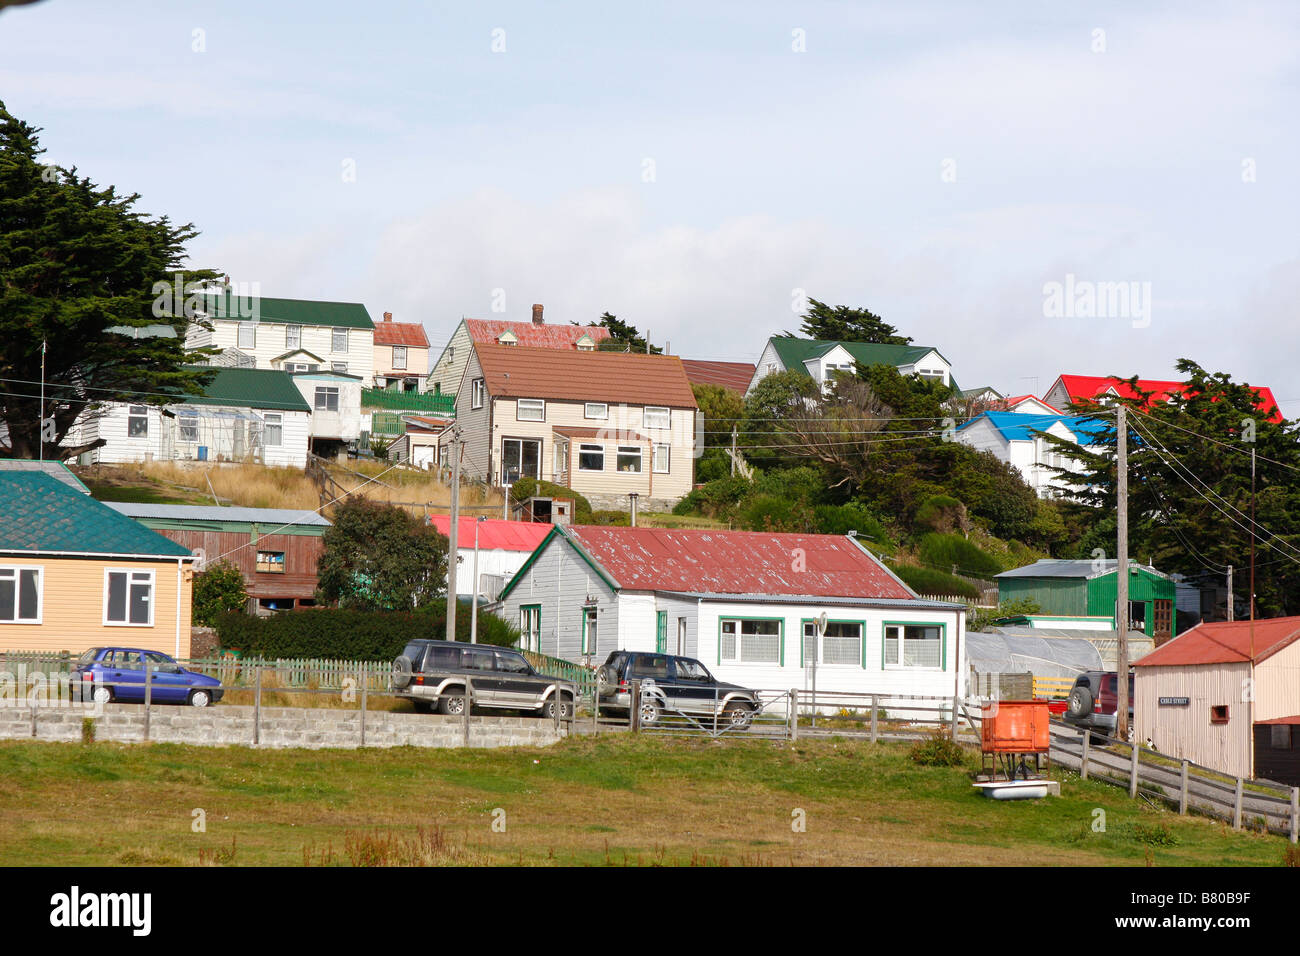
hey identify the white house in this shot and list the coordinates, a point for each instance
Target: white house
(1019, 439)
(244, 415)
(335, 400)
(819, 358)
(503, 548)
(745, 603)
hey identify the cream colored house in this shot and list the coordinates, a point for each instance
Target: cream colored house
(401, 355)
(606, 424)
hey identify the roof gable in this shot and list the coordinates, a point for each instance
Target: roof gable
(1226, 642)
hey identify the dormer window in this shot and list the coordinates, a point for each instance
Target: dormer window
(507, 338)
(585, 344)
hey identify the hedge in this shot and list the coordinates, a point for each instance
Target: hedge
(335, 634)
(930, 581)
(952, 550)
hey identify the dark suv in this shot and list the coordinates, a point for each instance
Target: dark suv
(1094, 701)
(669, 684)
(433, 673)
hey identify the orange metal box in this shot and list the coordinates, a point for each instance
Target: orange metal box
(1016, 726)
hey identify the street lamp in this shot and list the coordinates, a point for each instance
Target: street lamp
(473, 611)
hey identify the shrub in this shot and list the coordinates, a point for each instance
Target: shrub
(87, 730)
(530, 487)
(803, 483)
(841, 519)
(714, 499)
(218, 589)
(772, 513)
(932, 581)
(353, 635)
(620, 519)
(941, 513)
(952, 550)
(938, 750)
(1155, 834)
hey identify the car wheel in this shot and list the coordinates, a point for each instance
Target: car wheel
(401, 672)
(650, 712)
(200, 698)
(103, 695)
(739, 716)
(1080, 702)
(453, 705)
(605, 680)
(566, 708)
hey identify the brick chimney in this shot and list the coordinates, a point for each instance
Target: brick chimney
(537, 315)
(388, 316)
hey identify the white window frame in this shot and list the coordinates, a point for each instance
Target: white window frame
(537, 405)
(560, 464)
(272, 420)
(325, 391)
(530, 626)
(591, 449)
(340, 367)
(133, 576)
(334, 340)
(137, 413)
(657, 411)
(15, 572)
(246, 337)
(188, 420)
(477, 391)
(293, 336)
(900, 648)
(667, 459)
(738, 642)
(629, 451)
(399, 358)
(587, 411)
(818, 646)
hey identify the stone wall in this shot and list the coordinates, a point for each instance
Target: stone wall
(307, 727)
(601, 502)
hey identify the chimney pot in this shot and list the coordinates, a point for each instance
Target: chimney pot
(388, 316)
(537, 315)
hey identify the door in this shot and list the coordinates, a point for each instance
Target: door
(590, 637)
(694, 690)
(518, 685)
(127, 675)
(479, 664)
(681, 636)
(1164, 621)
(661, 632)
(168, 683)
(520, 458)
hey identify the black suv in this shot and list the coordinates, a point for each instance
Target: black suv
(669, 684)
(433, 673)
(1094, 701)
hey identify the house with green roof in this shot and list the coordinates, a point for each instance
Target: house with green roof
(76, 574)
(820, 358)
(292, 335)
(245, 414)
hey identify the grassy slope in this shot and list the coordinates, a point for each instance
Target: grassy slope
(586, 801)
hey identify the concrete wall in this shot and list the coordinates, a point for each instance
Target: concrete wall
(310, 728)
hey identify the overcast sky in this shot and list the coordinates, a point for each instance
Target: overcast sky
(691, 167)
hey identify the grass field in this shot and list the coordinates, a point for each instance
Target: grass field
(610, 800)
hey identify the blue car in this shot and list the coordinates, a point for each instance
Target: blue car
(118, 675)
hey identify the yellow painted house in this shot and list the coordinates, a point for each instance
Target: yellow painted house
(76, 574)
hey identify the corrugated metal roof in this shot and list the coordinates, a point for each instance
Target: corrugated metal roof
(55, 469)
(348, 315)
(401, 333)
(795, 351)
(821, 599)
(515, 371)
(1080, 387)
(265, 388)
(1226, 642)
(1281, 720)
(259, 516)
(494, 533)
(735, 376)
(532, 335)
(737, 562)
(43, 513)
(1070, 568)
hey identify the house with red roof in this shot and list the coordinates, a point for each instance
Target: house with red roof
(444, 378)
(1068, 389)
(747, 604)
(1027, 405)
(503, 548)
(401, 355)
(1205, 695)
(734, 376)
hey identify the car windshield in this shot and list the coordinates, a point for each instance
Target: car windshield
(88, 656)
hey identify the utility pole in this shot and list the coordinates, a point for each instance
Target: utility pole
(452, 552)
(1252, 549)
(733, 451)
(1121, 571)
(40, 424)
(1231, 616)
(473, 613)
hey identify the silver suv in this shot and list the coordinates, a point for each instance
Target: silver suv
(435, 674)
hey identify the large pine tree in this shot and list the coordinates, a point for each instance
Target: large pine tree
(76, 260)
(840, 323)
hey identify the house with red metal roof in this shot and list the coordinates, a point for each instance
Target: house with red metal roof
(605, 424)
(1068, 389)
(401, 355)
(503, 548)
(1205, 695)
(444, 377)
(747, 604)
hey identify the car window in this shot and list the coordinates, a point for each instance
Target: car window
(88, 656)
(158, 660)
(688, 669)
(413, 652)
(512, 663)
(653, 666)
(478, 659)
(129, 661)
(442, 657)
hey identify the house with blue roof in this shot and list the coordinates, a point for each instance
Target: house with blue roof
(1020, 439)
(75, 574)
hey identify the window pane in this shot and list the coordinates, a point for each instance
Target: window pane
(530, 410)
(141, 592)
(760, 647)
(629, 459)
(339, 340)
(28, 595)
(598, 410)
(729, 640)
(399, 356)
(247, 335)
(655, 417)
(292, 336)
(891, 645)
(137, 422)
(661, 458)
(8, 593)
(591, 457)
(922, 647)
(117, 596)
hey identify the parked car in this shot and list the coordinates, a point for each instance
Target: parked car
(1094, 701)
(433, 674)
(672, 684)
(118, 674)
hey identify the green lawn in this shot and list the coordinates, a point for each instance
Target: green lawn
(616, 799)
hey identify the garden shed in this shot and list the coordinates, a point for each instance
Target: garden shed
(1088, 588)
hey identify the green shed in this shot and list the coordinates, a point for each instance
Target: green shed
(1088, 589)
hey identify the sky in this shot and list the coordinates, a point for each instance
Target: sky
(701, 169)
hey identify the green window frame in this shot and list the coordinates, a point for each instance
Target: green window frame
(661, 632)
(740, 620)
(862, 642)
(943, 645)
(592, 610)
(530, 626)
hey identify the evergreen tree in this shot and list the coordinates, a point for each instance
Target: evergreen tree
(842, 324)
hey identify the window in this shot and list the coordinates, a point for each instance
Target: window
(661, 632)
(339, 340)
(189, 426)
(520, 458)
(1280, 736)
(339, 367)
(128, 598)
(914, 645)
(751, 642)
(273, 429)
(591, 458)
(561, 458)
(20, 595)
(530, 410)
(842, 643)
(654, 417)
(598, 410)
(293, 336)
(661, 459)
(247, 335)
(327, 398)
(629, 458)
(399, 356)
(271, 562)
(930, 375)
(1219, 714)
(530, 626)
(476, 394)
(137, 422)
(292, 367)
(510, 662)
(590, 631)
(690, 670)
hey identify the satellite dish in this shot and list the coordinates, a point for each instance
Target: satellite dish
(821, 624)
